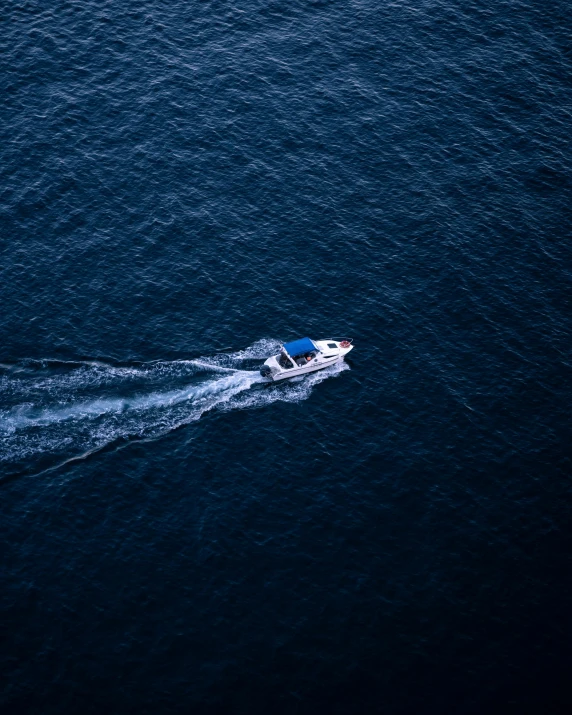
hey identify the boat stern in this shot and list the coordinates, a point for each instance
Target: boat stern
(270, 369)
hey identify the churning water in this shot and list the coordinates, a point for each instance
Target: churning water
(73, 410)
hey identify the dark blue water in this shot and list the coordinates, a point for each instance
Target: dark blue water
(185, 185)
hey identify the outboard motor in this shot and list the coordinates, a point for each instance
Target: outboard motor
(266, 371)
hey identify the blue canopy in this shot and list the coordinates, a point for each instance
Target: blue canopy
(298, 347)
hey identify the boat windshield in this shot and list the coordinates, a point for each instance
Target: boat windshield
(285, 362)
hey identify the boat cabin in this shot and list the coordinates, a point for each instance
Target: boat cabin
(297, 353)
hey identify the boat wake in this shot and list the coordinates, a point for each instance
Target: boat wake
(54, 412)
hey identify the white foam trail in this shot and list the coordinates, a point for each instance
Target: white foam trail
(212, 366)
(83, 408)
(24, 416)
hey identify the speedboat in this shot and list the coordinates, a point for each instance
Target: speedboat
(304, 355)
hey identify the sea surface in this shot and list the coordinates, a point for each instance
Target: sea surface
(185, 184)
